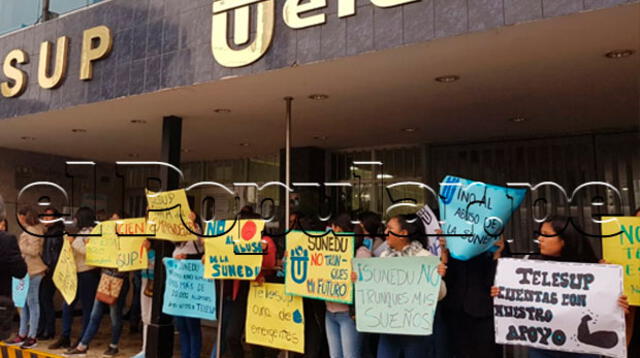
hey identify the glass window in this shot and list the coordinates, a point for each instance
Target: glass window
(63, 6)
(16, 14)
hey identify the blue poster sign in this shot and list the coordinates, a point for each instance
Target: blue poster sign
(475, 214)
(187, 292)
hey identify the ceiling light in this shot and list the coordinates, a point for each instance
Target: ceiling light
(517, 119)
(318, 97)
(409, 130)
(618, 54)
(384, 176)
(320, 137)
(79, 130)
(27, 138)
(447, 78)
(222, 110)
(138, 121)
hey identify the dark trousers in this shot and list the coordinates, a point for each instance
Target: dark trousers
(397, 346)
(190, 336)
(235, 328)
(471, 337)
(87, 286)
(134, 311)
(315, 337)
(47, 325)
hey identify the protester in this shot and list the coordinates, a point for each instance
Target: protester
(370, 228)
(31, 249)
(467, 311)
(88, 279)
(560, 239)
(406, 237)
(112, 292)
(146, 295)
(50, 253)
(12, 265)
(189, 328)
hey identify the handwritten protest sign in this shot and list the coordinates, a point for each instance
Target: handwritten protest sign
(169, 212)
(320, 267)
(236, 255)
(476, 210)
(624, 249)
(19, 290)
(560, 306)
(132, 255)
(397, 295)
(187, 293)
(65, 275)
(274, 319)
(102, 249)
(431, 225)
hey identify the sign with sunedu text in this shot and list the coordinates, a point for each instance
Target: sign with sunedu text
(560, 306)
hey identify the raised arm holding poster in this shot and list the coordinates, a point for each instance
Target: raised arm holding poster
(236, 255)
(397, 295)
(187, 293)
(320, 266)
(274, 319)
(477, 211)
(560, 306)
(624, 250)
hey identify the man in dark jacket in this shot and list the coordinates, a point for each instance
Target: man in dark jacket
(11, 265)
(50, 254)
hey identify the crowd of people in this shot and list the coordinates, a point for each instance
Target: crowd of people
(463, 324)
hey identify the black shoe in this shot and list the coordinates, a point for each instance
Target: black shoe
(75, 352)
(111, 352)
(62, 342)
(29, 343)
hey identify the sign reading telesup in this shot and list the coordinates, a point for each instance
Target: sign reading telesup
(237, 50)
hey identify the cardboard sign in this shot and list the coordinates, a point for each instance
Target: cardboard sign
(397, 295)
(132, 255)
(274, 319)
(236, 255)
(320, 267)
(102, 250)
(169, 214)
(187, 293)
(624, 249)
(65, 275)
(477, 211)
(560, 306)
(431, 225)
(19, 290)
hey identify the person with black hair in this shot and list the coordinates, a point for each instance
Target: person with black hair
(54, 230)
(406, 237)
(88, 278)
(369, 231)
(560, 239)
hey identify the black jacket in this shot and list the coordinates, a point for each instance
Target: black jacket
(52, 245)
(11, 262)
(469, 285)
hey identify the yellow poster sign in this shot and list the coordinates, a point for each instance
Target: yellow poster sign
(236, 255)
(102, 250)
(274, 319)
(169, 212)
(320, 266)
(65, 275)
(624, 249)
(132, 255)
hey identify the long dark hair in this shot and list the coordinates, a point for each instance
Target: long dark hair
(85, 217)
(371, 222)
(576, 246)
(30, 214)
(412, 224)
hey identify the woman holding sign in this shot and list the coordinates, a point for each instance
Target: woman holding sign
(405, 237)
(561, 240)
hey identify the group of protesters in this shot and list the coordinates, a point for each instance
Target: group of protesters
(463, 324)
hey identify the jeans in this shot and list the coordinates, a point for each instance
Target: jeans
(134, 311)
(344, 340)
(396, 346)
(87, 287)
(115, 311)
(190, 336)
(543, 353)
(47, 326)
(30, 314)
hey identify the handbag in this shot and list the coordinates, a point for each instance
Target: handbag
(109, 287)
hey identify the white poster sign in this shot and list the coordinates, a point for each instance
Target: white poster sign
(431, 225)
(560, 306)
